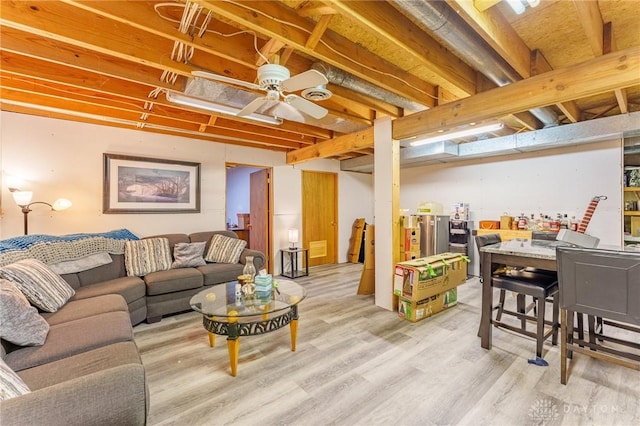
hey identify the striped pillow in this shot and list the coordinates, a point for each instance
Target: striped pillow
(11, 385)
(225, 249)
(43, 287)
(142, 257)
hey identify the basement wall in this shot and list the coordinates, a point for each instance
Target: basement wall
(56, 158)
(562, 180)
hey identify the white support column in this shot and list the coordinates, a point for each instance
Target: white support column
(386, 205)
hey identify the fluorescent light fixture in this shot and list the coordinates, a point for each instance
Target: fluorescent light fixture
(180, 99)
(533, 3)
(458, 134)
(517, 6)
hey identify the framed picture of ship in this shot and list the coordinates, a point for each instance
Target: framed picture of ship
(150, 185)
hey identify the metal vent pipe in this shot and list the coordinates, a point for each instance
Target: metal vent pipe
(440, 19)
(344, 79)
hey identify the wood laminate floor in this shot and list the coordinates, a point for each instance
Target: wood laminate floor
(357, 364)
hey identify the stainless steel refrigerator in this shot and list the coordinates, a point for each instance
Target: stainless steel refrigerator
(434, 234)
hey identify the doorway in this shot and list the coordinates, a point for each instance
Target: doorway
(248, 207)
(320, 216)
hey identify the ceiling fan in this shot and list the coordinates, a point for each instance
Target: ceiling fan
(276, 80)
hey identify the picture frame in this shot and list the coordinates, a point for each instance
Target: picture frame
(150, 185)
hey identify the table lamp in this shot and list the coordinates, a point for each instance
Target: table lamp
(293, 237)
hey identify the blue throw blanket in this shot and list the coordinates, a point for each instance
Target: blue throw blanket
(53, 248)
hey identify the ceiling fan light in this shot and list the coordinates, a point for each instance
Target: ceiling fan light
(317, 93)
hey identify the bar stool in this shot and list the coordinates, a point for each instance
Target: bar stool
(524, 283)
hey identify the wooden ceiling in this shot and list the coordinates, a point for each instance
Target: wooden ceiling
(110, 63)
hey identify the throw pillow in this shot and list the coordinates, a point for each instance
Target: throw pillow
(225, 249)
(82, 264)
(142, 257)
(43, 287)
(20, 322)
(186, 255)
(11, 385)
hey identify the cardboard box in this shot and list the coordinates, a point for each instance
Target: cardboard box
(422, 278)
(489, 224)
(415, 311)
(410, 239)
(410, 221)
(409, 255)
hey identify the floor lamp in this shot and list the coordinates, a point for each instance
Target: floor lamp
(23, 200)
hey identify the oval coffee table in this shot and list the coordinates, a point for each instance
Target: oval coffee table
(226, 315)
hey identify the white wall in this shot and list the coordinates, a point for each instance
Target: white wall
(238, 194)
(562, 180)
(57, 158)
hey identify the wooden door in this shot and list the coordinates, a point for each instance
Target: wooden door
(320, 216)
(260, 213)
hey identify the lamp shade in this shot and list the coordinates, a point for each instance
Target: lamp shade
(293, 235)
(61, 204)
(22, 198)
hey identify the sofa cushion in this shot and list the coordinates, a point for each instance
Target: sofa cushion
(145, 256)
(114, 396)
(110, 271)
(188, 255)
(173, 280)
(206, 237)
(43, 287)
(131, 288)
(216, 273)
(83, 308)
(80, 365)
(173, 238)
(11, 385)
(20, 323)
(73, 337)
(225, 249)
(81, 264)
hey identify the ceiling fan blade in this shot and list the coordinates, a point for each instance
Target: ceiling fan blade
(303, 80)
(309, 108)
(224, 79)
(252, 107)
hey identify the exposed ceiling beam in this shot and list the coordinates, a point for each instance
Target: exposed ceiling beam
(237, 49)
(398, 30)
(492, 26)
(591, 20)
(318, 31)
(602, 74)
(483, 5)
(334, 147)
(609, 45)
(275, 20)
(540, 65)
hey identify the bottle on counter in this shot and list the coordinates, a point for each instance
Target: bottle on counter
(522, 222)
(564, 223)
(574, 224)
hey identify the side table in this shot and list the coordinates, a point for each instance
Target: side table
(292, 255)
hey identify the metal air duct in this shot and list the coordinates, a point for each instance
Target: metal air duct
(438, 18)
(349, 81)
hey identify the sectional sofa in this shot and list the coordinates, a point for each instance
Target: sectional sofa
(79, 363)
(166, 291)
